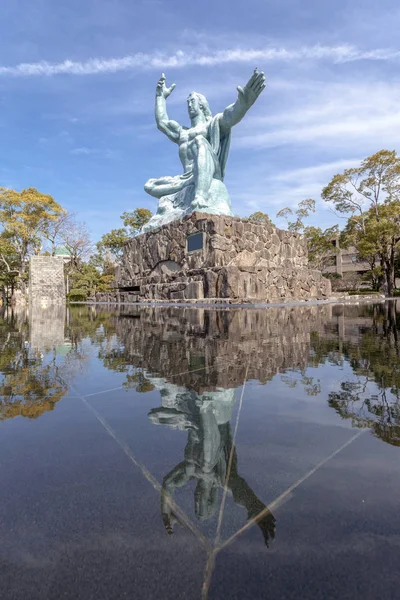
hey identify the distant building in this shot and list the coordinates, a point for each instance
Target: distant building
(345, 260)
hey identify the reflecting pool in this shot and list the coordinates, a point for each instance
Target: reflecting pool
(169, 452)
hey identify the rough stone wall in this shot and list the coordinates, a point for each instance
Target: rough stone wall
(228, 241)
(240, 261)
(46, 281)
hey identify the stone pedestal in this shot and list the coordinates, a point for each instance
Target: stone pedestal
(217, 258)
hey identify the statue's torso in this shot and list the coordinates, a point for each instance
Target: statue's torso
(187, 136)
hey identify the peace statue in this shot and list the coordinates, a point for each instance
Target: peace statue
(203, 151)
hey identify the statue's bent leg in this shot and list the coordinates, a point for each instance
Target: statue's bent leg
(166, 185)
(203, 170)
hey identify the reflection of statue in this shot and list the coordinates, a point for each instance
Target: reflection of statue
(203, 151)
(207, 452)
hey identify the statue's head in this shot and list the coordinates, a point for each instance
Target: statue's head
(198, 103)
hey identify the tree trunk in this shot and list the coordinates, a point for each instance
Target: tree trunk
(389, 271)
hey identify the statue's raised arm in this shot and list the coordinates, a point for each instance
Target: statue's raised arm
(247, 95)
(164, 124)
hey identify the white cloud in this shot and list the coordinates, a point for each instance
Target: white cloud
(82, 151)
(180, 59)
(349, 115)
(269, 192)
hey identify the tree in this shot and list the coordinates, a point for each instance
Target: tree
(260, 217)
(86, 280)
(9, 267)
(76, 239)
(370, 195)
(135, 219)
(305, 207)
(114, 240)
(24, 217)
(356, 190)
(54, 230)
(319, 242)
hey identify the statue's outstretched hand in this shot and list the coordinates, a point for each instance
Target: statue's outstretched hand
(253, 88)
(162, 90)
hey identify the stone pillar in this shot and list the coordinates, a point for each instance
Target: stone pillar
(339, 262)
(46, 281)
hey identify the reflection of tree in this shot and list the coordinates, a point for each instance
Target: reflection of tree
(29, 384)
(115, 359)
(88, 322)
(32, 376)
(374, 356)
(100, 328)
(210, 457)
(376, 411)
(312, 386)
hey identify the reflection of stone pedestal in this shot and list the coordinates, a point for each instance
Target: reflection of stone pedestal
(205, 256)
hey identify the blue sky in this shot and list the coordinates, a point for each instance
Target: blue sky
(77, 83)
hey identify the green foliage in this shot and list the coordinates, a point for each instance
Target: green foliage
(86, 281)
(29, 383)
(260, 217)
(24, 217)
(135, 219)
(305, 207)
(367, 186)
(319, 242)
(114, 242)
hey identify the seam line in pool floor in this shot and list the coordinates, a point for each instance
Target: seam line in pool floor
(209, 569)
(146, 473)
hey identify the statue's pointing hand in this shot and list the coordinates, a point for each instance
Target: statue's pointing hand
(162, 90)
(253, 88)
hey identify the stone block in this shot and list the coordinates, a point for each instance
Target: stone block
(46, 281)
(194, 290)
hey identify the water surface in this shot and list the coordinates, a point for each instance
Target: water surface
(191, 453)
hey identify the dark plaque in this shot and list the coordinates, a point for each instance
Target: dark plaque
(195, 242)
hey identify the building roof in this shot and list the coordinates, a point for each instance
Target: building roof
(62, 251)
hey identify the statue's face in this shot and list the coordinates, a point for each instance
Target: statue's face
(193, 106)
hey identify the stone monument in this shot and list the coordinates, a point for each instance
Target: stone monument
(193, 247)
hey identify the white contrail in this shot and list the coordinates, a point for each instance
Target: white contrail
(180, 59)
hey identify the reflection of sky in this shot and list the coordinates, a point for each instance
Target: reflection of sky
(77, 83)
(295, 403)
